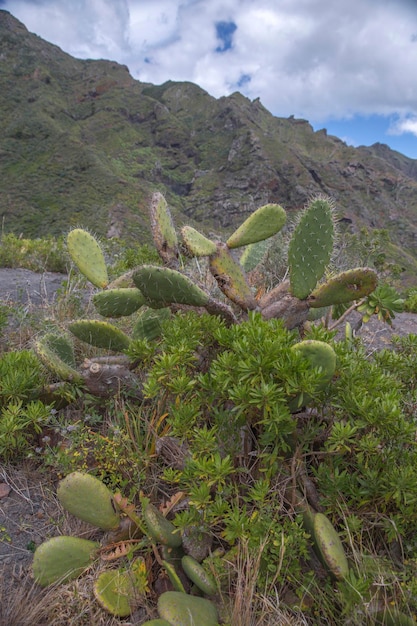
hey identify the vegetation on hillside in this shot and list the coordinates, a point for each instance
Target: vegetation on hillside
(244, 452)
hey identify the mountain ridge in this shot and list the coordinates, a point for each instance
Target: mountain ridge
(84, 143)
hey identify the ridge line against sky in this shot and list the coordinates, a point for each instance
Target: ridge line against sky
(348, 66)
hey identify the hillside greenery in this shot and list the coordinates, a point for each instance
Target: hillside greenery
(83, 143)
(221, 439)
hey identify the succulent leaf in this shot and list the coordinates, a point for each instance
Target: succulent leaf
(62, 558)
(231, 278)
(197, 243)
(262, 224)
(88, 256)
(118, 302)
(89, 499)
(345, 287)
(100, 334)
(57, 354)
(161, 529)
(311, 247)
(149, 323)
(164, 285)
(180, 609)
(330, 547)
(163, 230)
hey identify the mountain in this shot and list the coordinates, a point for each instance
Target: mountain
(83, 143)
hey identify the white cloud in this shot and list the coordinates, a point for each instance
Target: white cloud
(312, 58)
(402, 126)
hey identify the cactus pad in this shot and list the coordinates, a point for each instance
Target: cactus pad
(330, 547)
(118, 302)
(62, 558)
(57, 354)
(115, 591)
(149, 323)
(319, 354)
(89, 499)
(161, 529)
(88, 256)
(262, 224)
(254, 254)
(311, 247)
(100, 334)
(198, 575)
(161, 284)
(163, 230)
(180, 609)
(345, 287)
(231, 278)
(196, 243)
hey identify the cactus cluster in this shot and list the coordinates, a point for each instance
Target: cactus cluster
(63, 558)
(310, 251)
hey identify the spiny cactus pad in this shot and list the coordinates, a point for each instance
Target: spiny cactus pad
(89, 499)
(345, 287)
(88, 256)
(197, 243)
(311, 247)
(254, 254)
(161, 529)
(62, 558)
(198, 575)
(231, 278)
(180, 609)
(319, 354)
(100, 334)
(57, 354)
(115, 591)
(262, 224)
(330, 547)
(163, 230)
(149, 323)
(118, 302)
(168, 286)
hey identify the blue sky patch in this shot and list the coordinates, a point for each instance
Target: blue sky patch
(244, 79)
(224, 32)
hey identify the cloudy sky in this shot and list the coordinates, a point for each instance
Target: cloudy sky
(346, 65)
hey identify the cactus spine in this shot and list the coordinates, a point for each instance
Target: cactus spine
(100, 334)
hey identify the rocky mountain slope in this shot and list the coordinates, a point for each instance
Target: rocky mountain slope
(83, 143)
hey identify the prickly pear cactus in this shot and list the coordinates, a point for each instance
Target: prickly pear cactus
(62, 558)
(197, 243)
(311, 247)
(57, 354)
(117, 591)
(265, 222)
(231, 278)
(199, 575)
(149, 323)
(167, 286)
(100, 334)
(180, 609)
(88, 256)
(330, 547)
(118, 302)
(161, 529)
(319, 354)
(163, 230)
(345, 287)
(89, 499)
